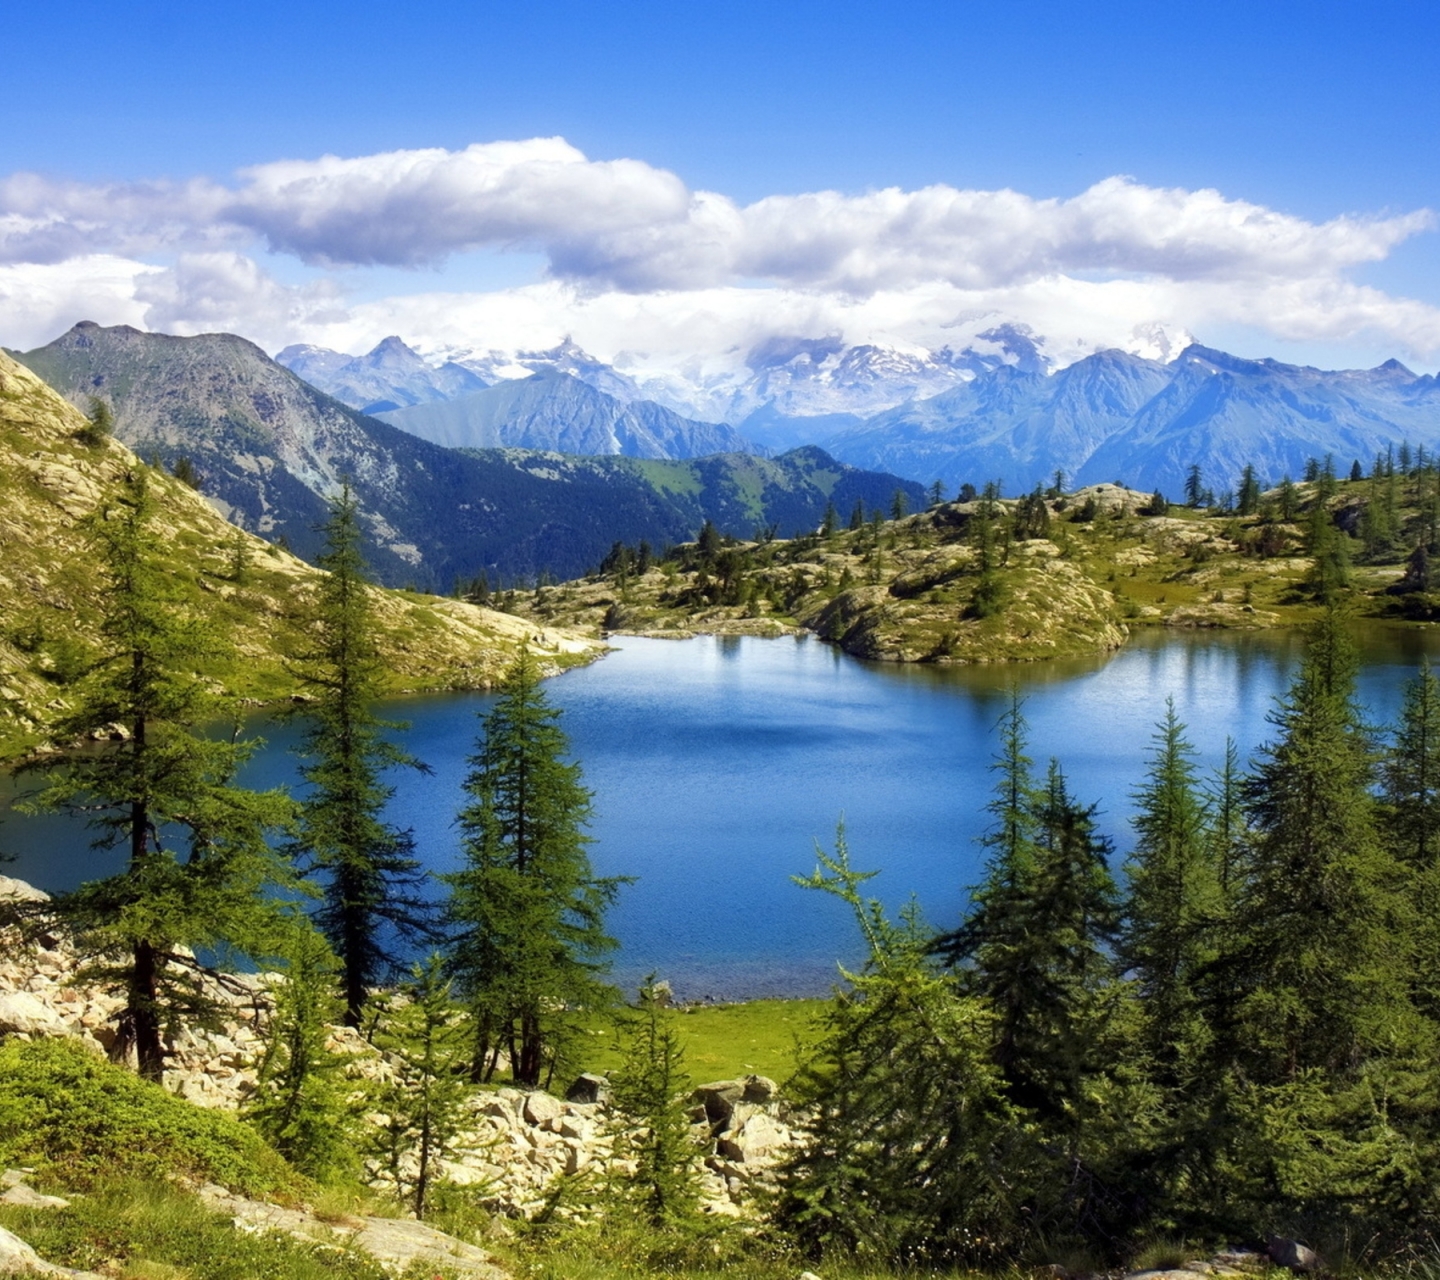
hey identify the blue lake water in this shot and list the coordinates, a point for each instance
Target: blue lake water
(717, 763)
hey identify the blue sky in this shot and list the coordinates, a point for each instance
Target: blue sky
(1308, 112)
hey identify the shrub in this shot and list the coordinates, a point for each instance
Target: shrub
(82, 1119)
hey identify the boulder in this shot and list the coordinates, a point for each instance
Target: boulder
(759, 1090)
(20, 891)
(719, 1098)
(18, 1259)
(540, 1108)
(24, 1014)
(758, 1138)
(29, 1198)
(1292, 1254)
(589, 1087)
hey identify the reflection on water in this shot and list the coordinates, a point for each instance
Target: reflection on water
(718, 762)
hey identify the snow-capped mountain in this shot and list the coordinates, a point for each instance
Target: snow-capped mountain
(786, 390)
(992, 408)
(1117, 417)
(391, 376)
(567, 358)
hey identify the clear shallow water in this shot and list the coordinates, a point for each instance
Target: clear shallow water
(718, 762)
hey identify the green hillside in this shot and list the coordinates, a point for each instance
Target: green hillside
(1037, 577)
(256, 594)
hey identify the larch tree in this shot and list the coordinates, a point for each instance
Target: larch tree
(197, 867)
(526, 910)
(371, 881)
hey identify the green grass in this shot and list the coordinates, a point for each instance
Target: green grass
(723, 1041)
(143, 1230)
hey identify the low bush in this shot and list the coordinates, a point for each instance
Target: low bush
(81, 1120)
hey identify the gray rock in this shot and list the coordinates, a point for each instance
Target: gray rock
(18, 1259)
(21, 891)
(589, 1087)
(1291, 1253)
(29, 1198)
(719, 1098)
(759, 1089)
(23, 1014)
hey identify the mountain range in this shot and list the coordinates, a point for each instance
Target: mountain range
(993, 411)
(269, 449)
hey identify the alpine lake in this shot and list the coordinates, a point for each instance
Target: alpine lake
(718, 763)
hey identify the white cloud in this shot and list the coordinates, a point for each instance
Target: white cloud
(39, 301)
(230, 293)
(639, 262)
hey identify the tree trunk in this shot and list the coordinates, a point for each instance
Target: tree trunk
(142, 1013)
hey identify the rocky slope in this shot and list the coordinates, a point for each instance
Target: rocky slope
(514, 1144)
(50, 480)
(909, 590)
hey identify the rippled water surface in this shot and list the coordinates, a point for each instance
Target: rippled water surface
(718, 762)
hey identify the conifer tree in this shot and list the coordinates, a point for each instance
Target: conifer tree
(1248, 502)
(913, 1150)
(1324, 984)
(419, 1031)
(1074, 922)
(651, 1114)
(1226, 831)
(301, 1102)
(1033, 947)
(371, 879)
(198, 870)
(1174, 896)
(526, 909)
(1411, 774)
(1410, 821)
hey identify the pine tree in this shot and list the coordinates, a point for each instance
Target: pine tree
(526, 909)
(1249, 500)
(99, 426)
(1288, 499)
(1194, 485)
(1410, 821)
(912, 1150)
(1226, 831)
(371, 880)
(419, 1031)
(198, 870)
(301, 1103)
(1174, 896)
(1316, 911)
(1411, 775)
(1033, 946)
